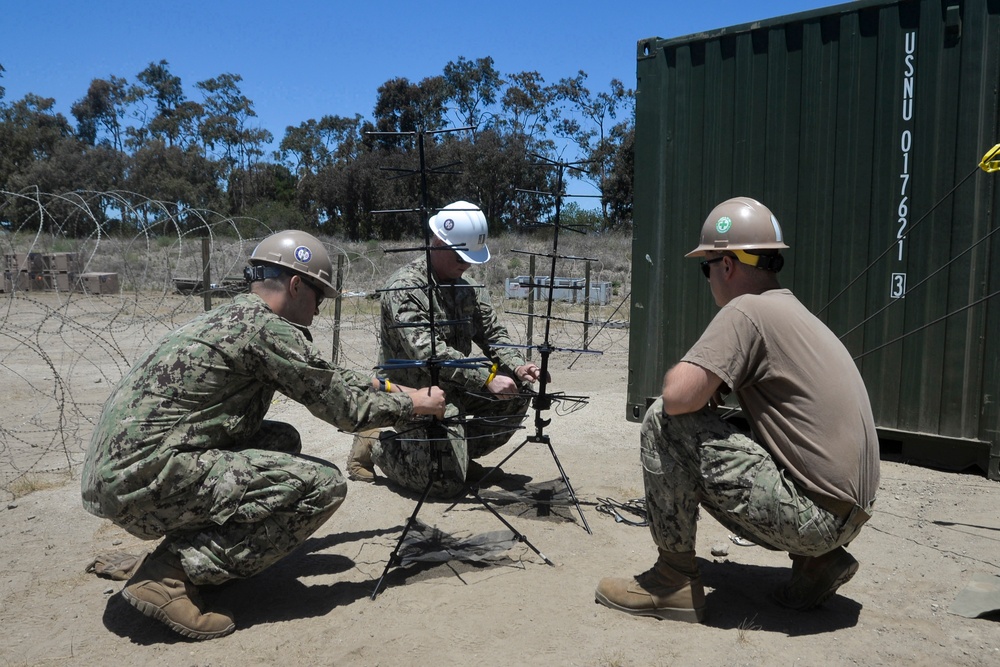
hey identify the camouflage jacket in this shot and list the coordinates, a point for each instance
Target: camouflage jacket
(208, 386)
(471, 321)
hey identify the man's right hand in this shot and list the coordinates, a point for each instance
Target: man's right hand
(428, 401)
(503, 387)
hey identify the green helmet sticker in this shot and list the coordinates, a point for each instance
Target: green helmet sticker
(723, 224)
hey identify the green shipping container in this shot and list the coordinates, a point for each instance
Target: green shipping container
(861, 126)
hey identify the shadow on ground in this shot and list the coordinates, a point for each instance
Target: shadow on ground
(281, 593)
(740, 599)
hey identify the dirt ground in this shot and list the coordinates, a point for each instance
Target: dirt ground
(932, 532)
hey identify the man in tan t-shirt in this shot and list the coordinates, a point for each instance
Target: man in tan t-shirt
(805, 483)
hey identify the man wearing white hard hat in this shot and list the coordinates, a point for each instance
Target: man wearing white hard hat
(490, 395)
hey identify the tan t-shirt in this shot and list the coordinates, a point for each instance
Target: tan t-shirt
(800, 389)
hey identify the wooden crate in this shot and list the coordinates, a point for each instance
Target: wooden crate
(24, 281)
(99, 283)
(31, 262)
(60, 281)
(60, 261)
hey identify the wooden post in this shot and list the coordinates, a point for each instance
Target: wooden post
(586, 303)
(337, 301)
(206, 273)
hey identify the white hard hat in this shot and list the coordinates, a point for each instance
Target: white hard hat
(463, 227)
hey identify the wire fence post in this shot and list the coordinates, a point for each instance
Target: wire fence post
(337, 302)
(206, 273)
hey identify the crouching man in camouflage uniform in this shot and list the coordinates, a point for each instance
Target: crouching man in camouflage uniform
(466, 325)
(806, 485)
(182, 450)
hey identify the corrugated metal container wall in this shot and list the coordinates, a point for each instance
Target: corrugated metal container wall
(861, 126)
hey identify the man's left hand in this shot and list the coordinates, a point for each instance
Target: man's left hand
(531, 373)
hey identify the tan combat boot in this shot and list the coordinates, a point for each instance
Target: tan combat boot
(662, 592)
(360, 466)
(160, 589)
(815, 579)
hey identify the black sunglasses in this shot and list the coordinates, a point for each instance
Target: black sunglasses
(705, 265)
(319, 293)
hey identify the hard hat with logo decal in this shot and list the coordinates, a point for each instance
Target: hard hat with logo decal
(463, 227)
(747, 229)
(296, 252)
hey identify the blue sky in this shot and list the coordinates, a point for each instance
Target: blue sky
(302, 60)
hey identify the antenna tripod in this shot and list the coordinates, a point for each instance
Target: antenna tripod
(437, 474)
(436, 432)
(543, 400)
(540, 403)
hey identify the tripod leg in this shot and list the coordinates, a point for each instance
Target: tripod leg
(569, 487)
(473, 489)
(394, 558)
(520, 537)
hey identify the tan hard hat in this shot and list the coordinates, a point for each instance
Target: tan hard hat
(740, 223)
(463, 227)
(299, 252)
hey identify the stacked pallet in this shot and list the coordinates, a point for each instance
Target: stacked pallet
(99, 283)
(60, 271)
(53, 272)
(23, 272)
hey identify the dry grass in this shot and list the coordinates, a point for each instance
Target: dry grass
(744, 629)
(31, 482)
(146, 263)
(615, 659)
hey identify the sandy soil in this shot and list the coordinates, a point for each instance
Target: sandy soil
(931, 533)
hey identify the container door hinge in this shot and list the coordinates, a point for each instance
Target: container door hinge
(953, 21)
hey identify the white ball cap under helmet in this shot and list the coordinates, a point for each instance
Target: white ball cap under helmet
(463, 226)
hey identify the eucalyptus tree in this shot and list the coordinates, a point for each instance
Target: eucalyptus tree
(174, 119)
(225, 128)
(496, 171)
(180, 178)
(270, 194)
(618, 184)
(101, 113)
(305, 148)
(402, 106)
(587, 119)
(526, 108)
(40, 153)
(77, 176)
(314, 145)
(359, 178)
(30, 131)
(347, 193)
(317, 152)
(472, 87)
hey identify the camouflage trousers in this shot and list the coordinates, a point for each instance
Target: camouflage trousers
(236, 512)
(699, 459)
(479, 426)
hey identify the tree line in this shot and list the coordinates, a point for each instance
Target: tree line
(495, 137)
